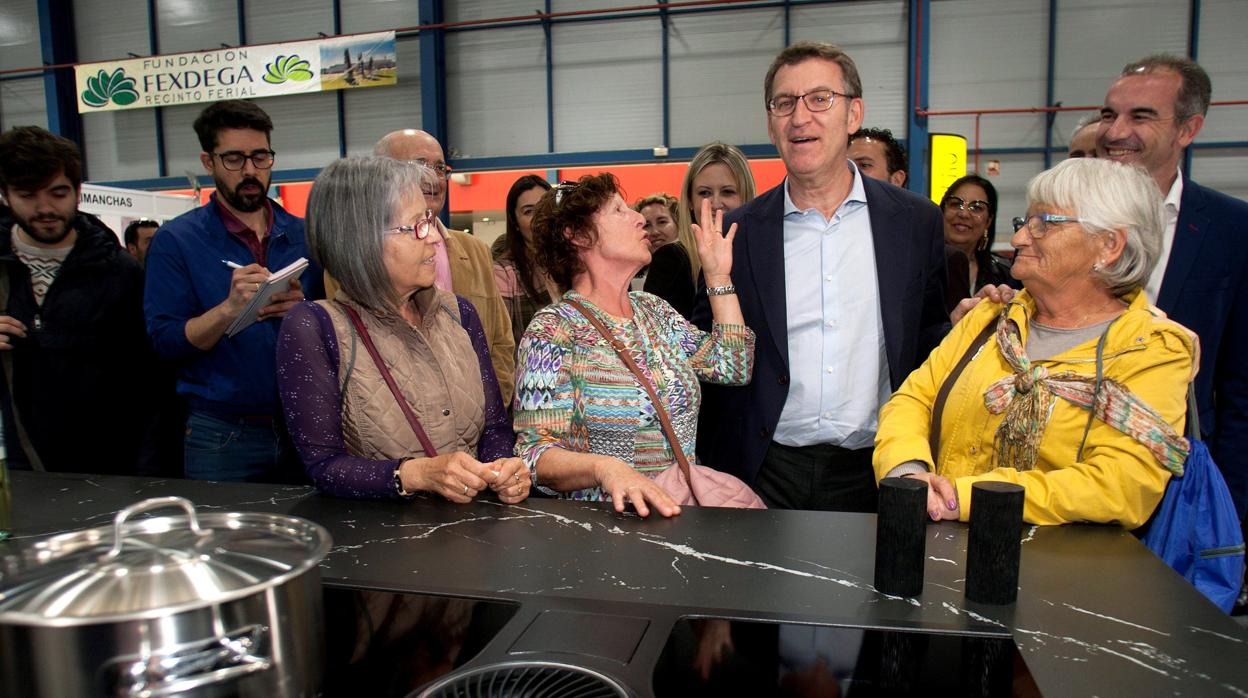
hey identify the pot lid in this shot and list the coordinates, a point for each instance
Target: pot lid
(156, 566)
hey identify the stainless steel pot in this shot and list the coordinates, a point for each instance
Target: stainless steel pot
(193, 605)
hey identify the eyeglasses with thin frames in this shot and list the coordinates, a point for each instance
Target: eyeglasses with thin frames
(235, 160)
(976, 207)
(441, 169)
(816, 101)
(420, 231)
(1038, 223)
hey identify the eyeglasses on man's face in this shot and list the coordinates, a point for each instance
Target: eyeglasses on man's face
(234, 160)
(975, 208)
(1038, 224)
(420, 231)
(818, 100)
(441, 169)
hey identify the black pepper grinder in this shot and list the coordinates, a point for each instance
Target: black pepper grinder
(900, 536)
(995, 542)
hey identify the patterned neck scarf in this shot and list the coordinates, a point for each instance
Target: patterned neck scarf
(1027, 397)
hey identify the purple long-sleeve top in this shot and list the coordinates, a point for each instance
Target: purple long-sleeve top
(307, 379)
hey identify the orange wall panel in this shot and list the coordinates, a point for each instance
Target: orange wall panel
(488, 190)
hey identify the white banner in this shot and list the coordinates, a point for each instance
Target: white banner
(270, 70)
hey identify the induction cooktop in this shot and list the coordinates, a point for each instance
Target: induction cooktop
(388, 644)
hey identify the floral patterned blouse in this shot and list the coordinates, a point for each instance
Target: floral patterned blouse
(574, 392)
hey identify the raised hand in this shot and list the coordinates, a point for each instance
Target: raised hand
(714, 247)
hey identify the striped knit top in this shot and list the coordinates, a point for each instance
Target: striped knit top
(573, 392)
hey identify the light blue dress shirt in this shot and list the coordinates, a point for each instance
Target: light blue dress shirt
(837, 366)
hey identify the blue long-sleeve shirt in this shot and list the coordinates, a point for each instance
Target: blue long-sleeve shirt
(186, 278)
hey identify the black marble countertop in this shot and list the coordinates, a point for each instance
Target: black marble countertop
(1097, 613)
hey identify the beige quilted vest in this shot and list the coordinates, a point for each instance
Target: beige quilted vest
(435, 368)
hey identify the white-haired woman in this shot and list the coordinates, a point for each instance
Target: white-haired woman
(388, 390)
(1028, 407)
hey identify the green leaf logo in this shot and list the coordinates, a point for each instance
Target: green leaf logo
(285, 68)
(103, 87)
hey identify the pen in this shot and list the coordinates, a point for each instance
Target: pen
(232, 265)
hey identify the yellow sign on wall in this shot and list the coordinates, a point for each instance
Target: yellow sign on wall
(948, 162)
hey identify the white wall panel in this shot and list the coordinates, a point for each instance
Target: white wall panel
(181, 144)
(122, 145)
(379, 15)
(107, 30)
(22, 103)
(1011, 184)
(1086, 63)
(464, 10)
(496, 92)
(305, 132)
(305, 128)
(1222, 55)
(374, 112)
(1223, 169)
(718, 62)
(573, 5)
(874, 34)
(989, 55)
(19, 34)
(196, 25)
(287, 20)
(608, 85)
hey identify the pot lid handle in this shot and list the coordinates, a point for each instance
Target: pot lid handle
(148, 505)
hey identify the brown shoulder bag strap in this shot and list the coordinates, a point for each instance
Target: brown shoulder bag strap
(358, 324)
(659, 410)
(938, 407)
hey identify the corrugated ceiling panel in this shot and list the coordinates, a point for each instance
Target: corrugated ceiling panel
(607, 85)
(718, 62)
(496, 92)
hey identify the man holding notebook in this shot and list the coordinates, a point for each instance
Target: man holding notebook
(203, 270)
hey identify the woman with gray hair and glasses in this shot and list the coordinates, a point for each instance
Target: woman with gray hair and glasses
(1076, 389)
(388, 389)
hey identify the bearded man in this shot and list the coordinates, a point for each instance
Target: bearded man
(73, 389)
(203, 268)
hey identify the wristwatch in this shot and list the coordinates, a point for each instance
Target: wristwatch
(398, 481)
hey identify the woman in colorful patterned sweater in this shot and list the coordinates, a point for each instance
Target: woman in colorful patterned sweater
(586, 428)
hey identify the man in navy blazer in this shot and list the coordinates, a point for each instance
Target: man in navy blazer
(1151, 113)
(842, 279)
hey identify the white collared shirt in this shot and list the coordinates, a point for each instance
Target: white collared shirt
(837, 366)
(1153, 287)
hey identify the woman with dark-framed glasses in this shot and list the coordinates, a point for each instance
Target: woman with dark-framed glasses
(970, 214)
(1076, 389)
(388, 389)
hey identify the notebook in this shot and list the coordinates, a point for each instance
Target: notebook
(278, 282)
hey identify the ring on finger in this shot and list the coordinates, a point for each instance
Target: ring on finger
(517, 477)
(257, 285)
(465, 490)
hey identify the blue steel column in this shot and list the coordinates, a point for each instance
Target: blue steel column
(433, 81)
(57, 44)
(153, 45)
(787, 39)
(667, 116)
(550, 82)
(1193, 47)
(919, 56)
(241, 13)
(1050, 117)
(338, 94)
